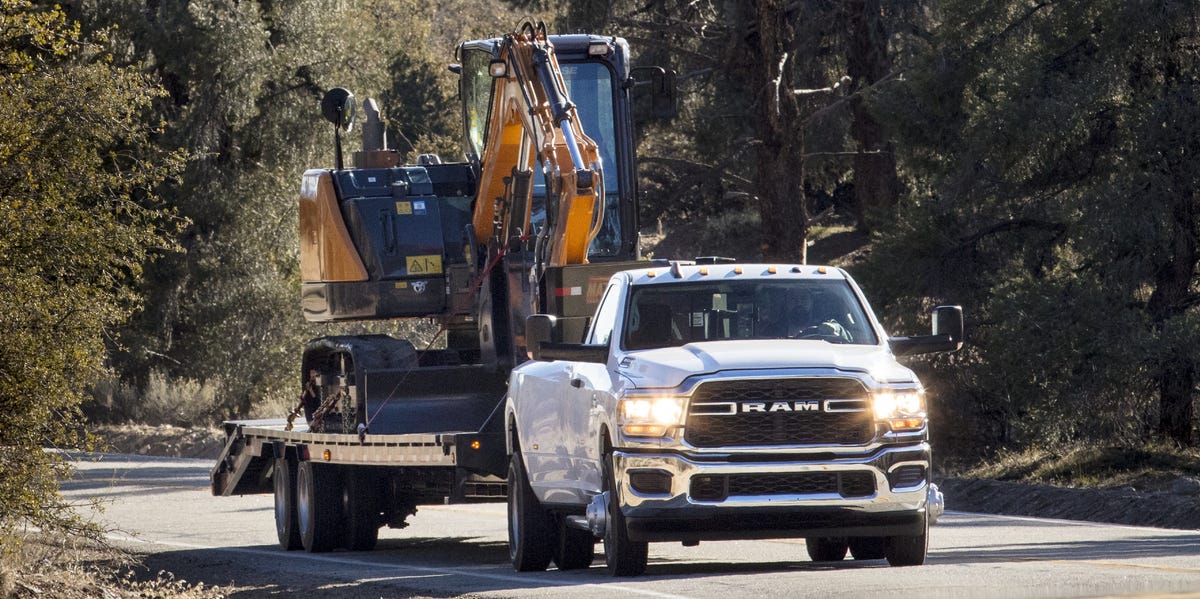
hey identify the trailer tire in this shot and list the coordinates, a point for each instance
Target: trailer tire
(624, 557)
(575, 549)
(284, 479)
(360, 499)
(530, 528)
(318, 506)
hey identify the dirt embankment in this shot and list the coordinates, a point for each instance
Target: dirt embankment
(1177, 507)
(165, 441)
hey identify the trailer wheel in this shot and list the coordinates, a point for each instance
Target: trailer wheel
(285, 503)
(826, 549)
(530, 529)
(623, 556)
(360, 498)
(907, 550)
(318, 506)
(575, 548)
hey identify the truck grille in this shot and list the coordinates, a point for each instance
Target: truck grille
(765, 412)
(718, 487)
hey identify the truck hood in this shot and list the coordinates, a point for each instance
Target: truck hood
(668, 367)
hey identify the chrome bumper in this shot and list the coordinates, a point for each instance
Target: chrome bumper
(677, 515)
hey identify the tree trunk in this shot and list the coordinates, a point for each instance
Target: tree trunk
(776, 119)
(876, 185)
(1177, 377)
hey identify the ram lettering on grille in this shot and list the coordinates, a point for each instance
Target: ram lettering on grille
(765, 412)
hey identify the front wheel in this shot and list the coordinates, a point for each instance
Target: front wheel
(624, 557)
(530, 529)
(908, 550)
(826, 549)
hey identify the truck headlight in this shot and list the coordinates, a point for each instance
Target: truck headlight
(903, 410)
(650, 416)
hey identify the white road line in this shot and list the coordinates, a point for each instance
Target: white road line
(1180, 531)
(527, 581)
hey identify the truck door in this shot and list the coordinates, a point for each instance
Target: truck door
(591, 391)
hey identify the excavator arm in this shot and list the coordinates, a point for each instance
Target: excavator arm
(533, 120)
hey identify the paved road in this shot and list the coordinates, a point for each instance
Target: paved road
(162, 507)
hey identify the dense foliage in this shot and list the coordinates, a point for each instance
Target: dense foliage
(78, 221)
(1034, 160)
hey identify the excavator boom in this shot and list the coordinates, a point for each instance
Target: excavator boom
(533, 121)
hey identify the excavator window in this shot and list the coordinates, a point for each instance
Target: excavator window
(590, 85)
(476, 89)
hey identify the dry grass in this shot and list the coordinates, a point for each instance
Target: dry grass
(1150, 467)
(41, 567)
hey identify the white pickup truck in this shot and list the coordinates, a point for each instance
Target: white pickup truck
(722, 401)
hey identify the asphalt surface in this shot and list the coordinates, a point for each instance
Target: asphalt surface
(162, 507)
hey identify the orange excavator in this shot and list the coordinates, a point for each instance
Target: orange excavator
(535, 218)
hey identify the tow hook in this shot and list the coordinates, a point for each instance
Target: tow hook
(935, 504)
(597, 514)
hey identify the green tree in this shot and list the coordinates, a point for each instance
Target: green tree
(245, 82)
(77, 222)
(1057, 178)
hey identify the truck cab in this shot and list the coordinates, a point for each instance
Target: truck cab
(725, 401)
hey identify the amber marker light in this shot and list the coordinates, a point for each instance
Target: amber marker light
(327, 455)
(737, 270)
(771, 270)
(476, 444)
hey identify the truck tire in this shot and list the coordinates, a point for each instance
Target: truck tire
(530, 528)
(624, 557)
(318, 506)
(360, 500)
(864, 548)
(826, 549)
(907, 550)
(284, 478)
(575, 549)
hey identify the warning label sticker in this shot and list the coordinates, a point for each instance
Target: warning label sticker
(424, 265)
(404, 208)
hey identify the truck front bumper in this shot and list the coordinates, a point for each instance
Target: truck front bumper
(673, 497)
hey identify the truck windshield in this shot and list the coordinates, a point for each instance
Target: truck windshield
(675, 314)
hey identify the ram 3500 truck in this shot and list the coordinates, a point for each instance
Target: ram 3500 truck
(718, 401)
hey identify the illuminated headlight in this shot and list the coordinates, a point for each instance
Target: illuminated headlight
(903, 410)
(650, 416)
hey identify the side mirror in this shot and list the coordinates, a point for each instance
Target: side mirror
(539, 329)
(338, 107)
(654, 94)
(947, 335)
(948, 320)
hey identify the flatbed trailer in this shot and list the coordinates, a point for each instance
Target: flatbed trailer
(337, 489)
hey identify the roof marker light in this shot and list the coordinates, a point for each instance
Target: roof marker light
(737, 270)
(796, 269)
(651, 274)
(771, 270)
(704, 272)
(822, 270)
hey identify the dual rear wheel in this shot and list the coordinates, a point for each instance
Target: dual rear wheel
(320, 507)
